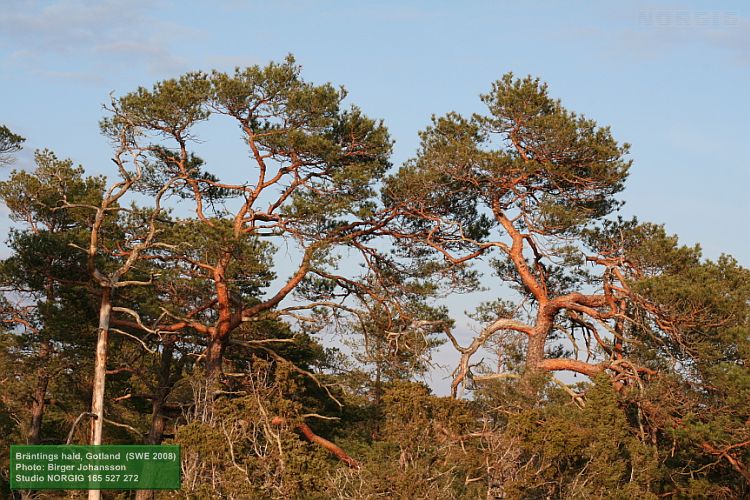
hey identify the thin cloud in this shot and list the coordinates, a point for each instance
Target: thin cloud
(158, 58)
(87, 39)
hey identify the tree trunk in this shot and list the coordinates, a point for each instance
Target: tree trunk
(164, 387)
(100, 373)
(37, 409)
(214, 361)
(534, 358)
(156, 432)
(145, 494)
(211, 385)
(535, 351)
(40, 394)
(333, 448)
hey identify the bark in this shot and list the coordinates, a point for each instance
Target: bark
(572, 365)
(535, 352)
(164, 387)
(100, 374)
(37, 409)
(214, 361)
(145, 494)
(548, 310)
(156, 431)
(40, 394)
(534, 360)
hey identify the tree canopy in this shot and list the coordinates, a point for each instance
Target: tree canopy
(279, 322)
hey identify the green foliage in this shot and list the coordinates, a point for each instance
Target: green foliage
(418, 450)
(530, 154)
(9, 143)
(170, 108)
(244, 452)
(37, 197)
(667, 416)
(573, 453)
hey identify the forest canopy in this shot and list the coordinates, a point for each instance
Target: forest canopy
(278, 324)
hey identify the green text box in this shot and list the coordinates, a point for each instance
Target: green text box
(105, 467)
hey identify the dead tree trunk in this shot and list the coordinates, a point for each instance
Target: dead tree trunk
(100, 373)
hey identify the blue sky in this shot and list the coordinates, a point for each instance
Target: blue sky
(668, 77)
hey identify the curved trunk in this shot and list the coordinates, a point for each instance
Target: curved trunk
(332, 447)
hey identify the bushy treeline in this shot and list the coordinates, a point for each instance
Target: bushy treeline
(184, 301)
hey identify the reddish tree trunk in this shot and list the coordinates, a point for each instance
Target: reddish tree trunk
(534, 360)
(535, 352)
(215, 358)
(333, 448)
